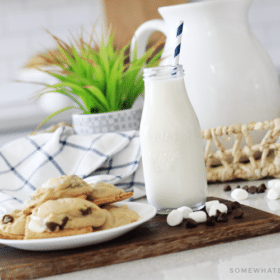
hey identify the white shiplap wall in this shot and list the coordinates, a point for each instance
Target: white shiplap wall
(23, 25)
(22, 30)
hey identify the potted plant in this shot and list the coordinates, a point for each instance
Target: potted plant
(100, 80)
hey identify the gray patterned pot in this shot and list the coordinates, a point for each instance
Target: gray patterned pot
(124, 120)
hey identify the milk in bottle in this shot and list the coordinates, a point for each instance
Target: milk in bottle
(171, 143)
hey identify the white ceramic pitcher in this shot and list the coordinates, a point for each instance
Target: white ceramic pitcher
(228, 75)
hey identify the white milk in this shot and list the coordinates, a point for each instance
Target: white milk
(171, 143)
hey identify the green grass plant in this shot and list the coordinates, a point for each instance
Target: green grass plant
(95, 75)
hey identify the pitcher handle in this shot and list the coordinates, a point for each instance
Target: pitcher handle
(143, 33)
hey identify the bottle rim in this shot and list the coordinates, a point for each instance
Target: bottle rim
(164, 71)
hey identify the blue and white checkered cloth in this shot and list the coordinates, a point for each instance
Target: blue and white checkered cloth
(26, 163)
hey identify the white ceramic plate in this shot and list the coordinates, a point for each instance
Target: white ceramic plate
(145, 211)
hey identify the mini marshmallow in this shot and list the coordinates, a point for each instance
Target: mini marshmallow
(221, 207)
(239, 194)
(274, 193)
(208, 204)
(273, 183)
(174, 218)
(198, 216)
(185, 211)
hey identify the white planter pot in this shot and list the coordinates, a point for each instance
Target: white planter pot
(124, 120)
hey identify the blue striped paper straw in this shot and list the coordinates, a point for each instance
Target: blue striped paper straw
(178, 43)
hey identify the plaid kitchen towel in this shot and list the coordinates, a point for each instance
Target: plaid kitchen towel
(26, 163)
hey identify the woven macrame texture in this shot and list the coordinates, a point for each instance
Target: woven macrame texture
(230, 152)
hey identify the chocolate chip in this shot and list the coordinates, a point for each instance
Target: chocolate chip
(90, 197)
(222, 218)
(235, 205)
(7, 219)
(228, 205)
(97, 228)
(210, 222)
(252, 189)
(245, 188)
(261, 188)
(218, 213)
(64, 222)
(238, 187)
(86, 212)
(227, 188)
(190, 223)
(203, 209)
(238, 213)
(52, 226)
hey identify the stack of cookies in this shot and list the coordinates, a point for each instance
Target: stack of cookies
(68, 206)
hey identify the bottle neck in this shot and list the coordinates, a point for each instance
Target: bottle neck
(164, 86)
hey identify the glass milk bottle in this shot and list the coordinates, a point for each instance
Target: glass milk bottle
(171, 143)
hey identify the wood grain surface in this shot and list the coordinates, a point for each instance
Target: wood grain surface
(151, 239)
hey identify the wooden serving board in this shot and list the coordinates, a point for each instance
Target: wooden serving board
(151, 239)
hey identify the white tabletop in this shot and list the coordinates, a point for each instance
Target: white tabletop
(254, 258)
